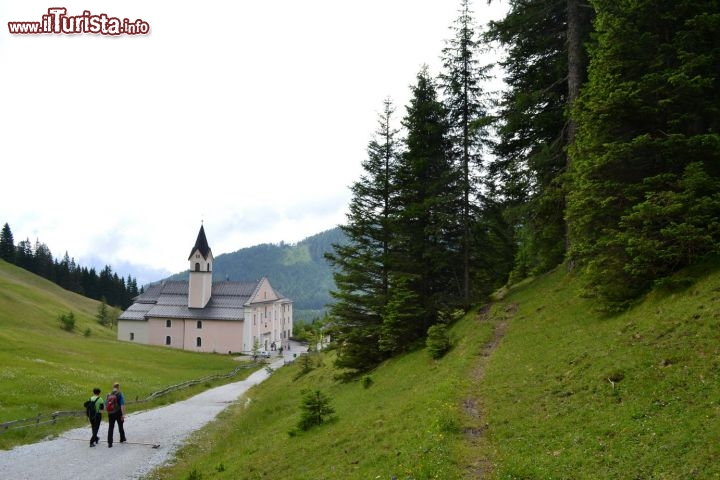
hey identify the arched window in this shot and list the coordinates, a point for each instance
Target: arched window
(167, 340)
(198, 342)
(168, 323)
(197, 266)
(199, 324)
(208, 266)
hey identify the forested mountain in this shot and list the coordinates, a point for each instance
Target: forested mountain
(298, 271)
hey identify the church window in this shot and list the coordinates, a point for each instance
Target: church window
(197, 266)
(132, 336)
(168, 323)
(167, 340)
(198, 342)
(199, 324)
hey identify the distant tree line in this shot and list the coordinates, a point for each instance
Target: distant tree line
(106, 286)
(603, 153)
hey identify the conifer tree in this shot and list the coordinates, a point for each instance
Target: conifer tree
(468, 122)
(401, 316)
(7, 244)
(43, 261)
(315, 410)
(24, 254)
(427, 238)
(544, 68)
(362, 264)
(645, 200)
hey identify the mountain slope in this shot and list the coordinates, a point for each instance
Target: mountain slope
(566, 392)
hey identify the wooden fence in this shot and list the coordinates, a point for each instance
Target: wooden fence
(52, 418)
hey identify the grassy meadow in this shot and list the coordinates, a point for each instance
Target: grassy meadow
(539, 385)
(44, 368)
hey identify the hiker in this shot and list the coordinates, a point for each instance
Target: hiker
(95, 416)
(115, 406)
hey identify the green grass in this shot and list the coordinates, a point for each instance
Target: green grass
(574, 394)
(567, 393)
(44, 369)
(405, 424)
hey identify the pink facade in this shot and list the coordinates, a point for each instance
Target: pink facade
(213, 336)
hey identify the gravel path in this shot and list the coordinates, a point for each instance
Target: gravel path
(70, 458)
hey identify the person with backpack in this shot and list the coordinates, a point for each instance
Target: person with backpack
(115, 407)
(92, 409)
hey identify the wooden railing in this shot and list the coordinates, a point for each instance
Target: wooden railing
(52, 418)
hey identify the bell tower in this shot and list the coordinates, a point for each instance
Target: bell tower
(201, 259)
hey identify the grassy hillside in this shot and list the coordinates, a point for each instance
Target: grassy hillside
(575, 394)
(538, 386)
(45, 369)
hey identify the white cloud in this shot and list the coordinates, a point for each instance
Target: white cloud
(261, 109)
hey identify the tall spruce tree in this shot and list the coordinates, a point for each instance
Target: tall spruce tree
(7, 244)
(426, 245)
(645, 199)
(362, 264)
(544, 68)
(468, 121)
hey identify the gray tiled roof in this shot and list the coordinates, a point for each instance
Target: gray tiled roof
(169, 300)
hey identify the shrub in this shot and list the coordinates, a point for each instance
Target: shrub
(194, 475)
(438, 340)
(67, 321)
(315, 408)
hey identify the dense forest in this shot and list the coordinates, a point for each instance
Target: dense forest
(602, 153)
(105, 286)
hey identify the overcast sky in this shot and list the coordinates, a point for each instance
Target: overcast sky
(250, 116)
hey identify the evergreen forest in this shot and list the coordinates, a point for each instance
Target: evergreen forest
(600, 155)
(37, 258)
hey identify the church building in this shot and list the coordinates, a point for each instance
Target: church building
(206, 316)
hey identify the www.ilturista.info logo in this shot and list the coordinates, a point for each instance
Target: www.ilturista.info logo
(58, 22)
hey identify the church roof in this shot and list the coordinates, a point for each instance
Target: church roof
(169, 300)
(201, 244)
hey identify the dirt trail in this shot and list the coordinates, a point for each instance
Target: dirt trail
(472, 404)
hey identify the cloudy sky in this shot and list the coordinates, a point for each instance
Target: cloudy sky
(249, 116)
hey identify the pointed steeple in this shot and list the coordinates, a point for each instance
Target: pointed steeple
(200, 277)
(201, 244)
